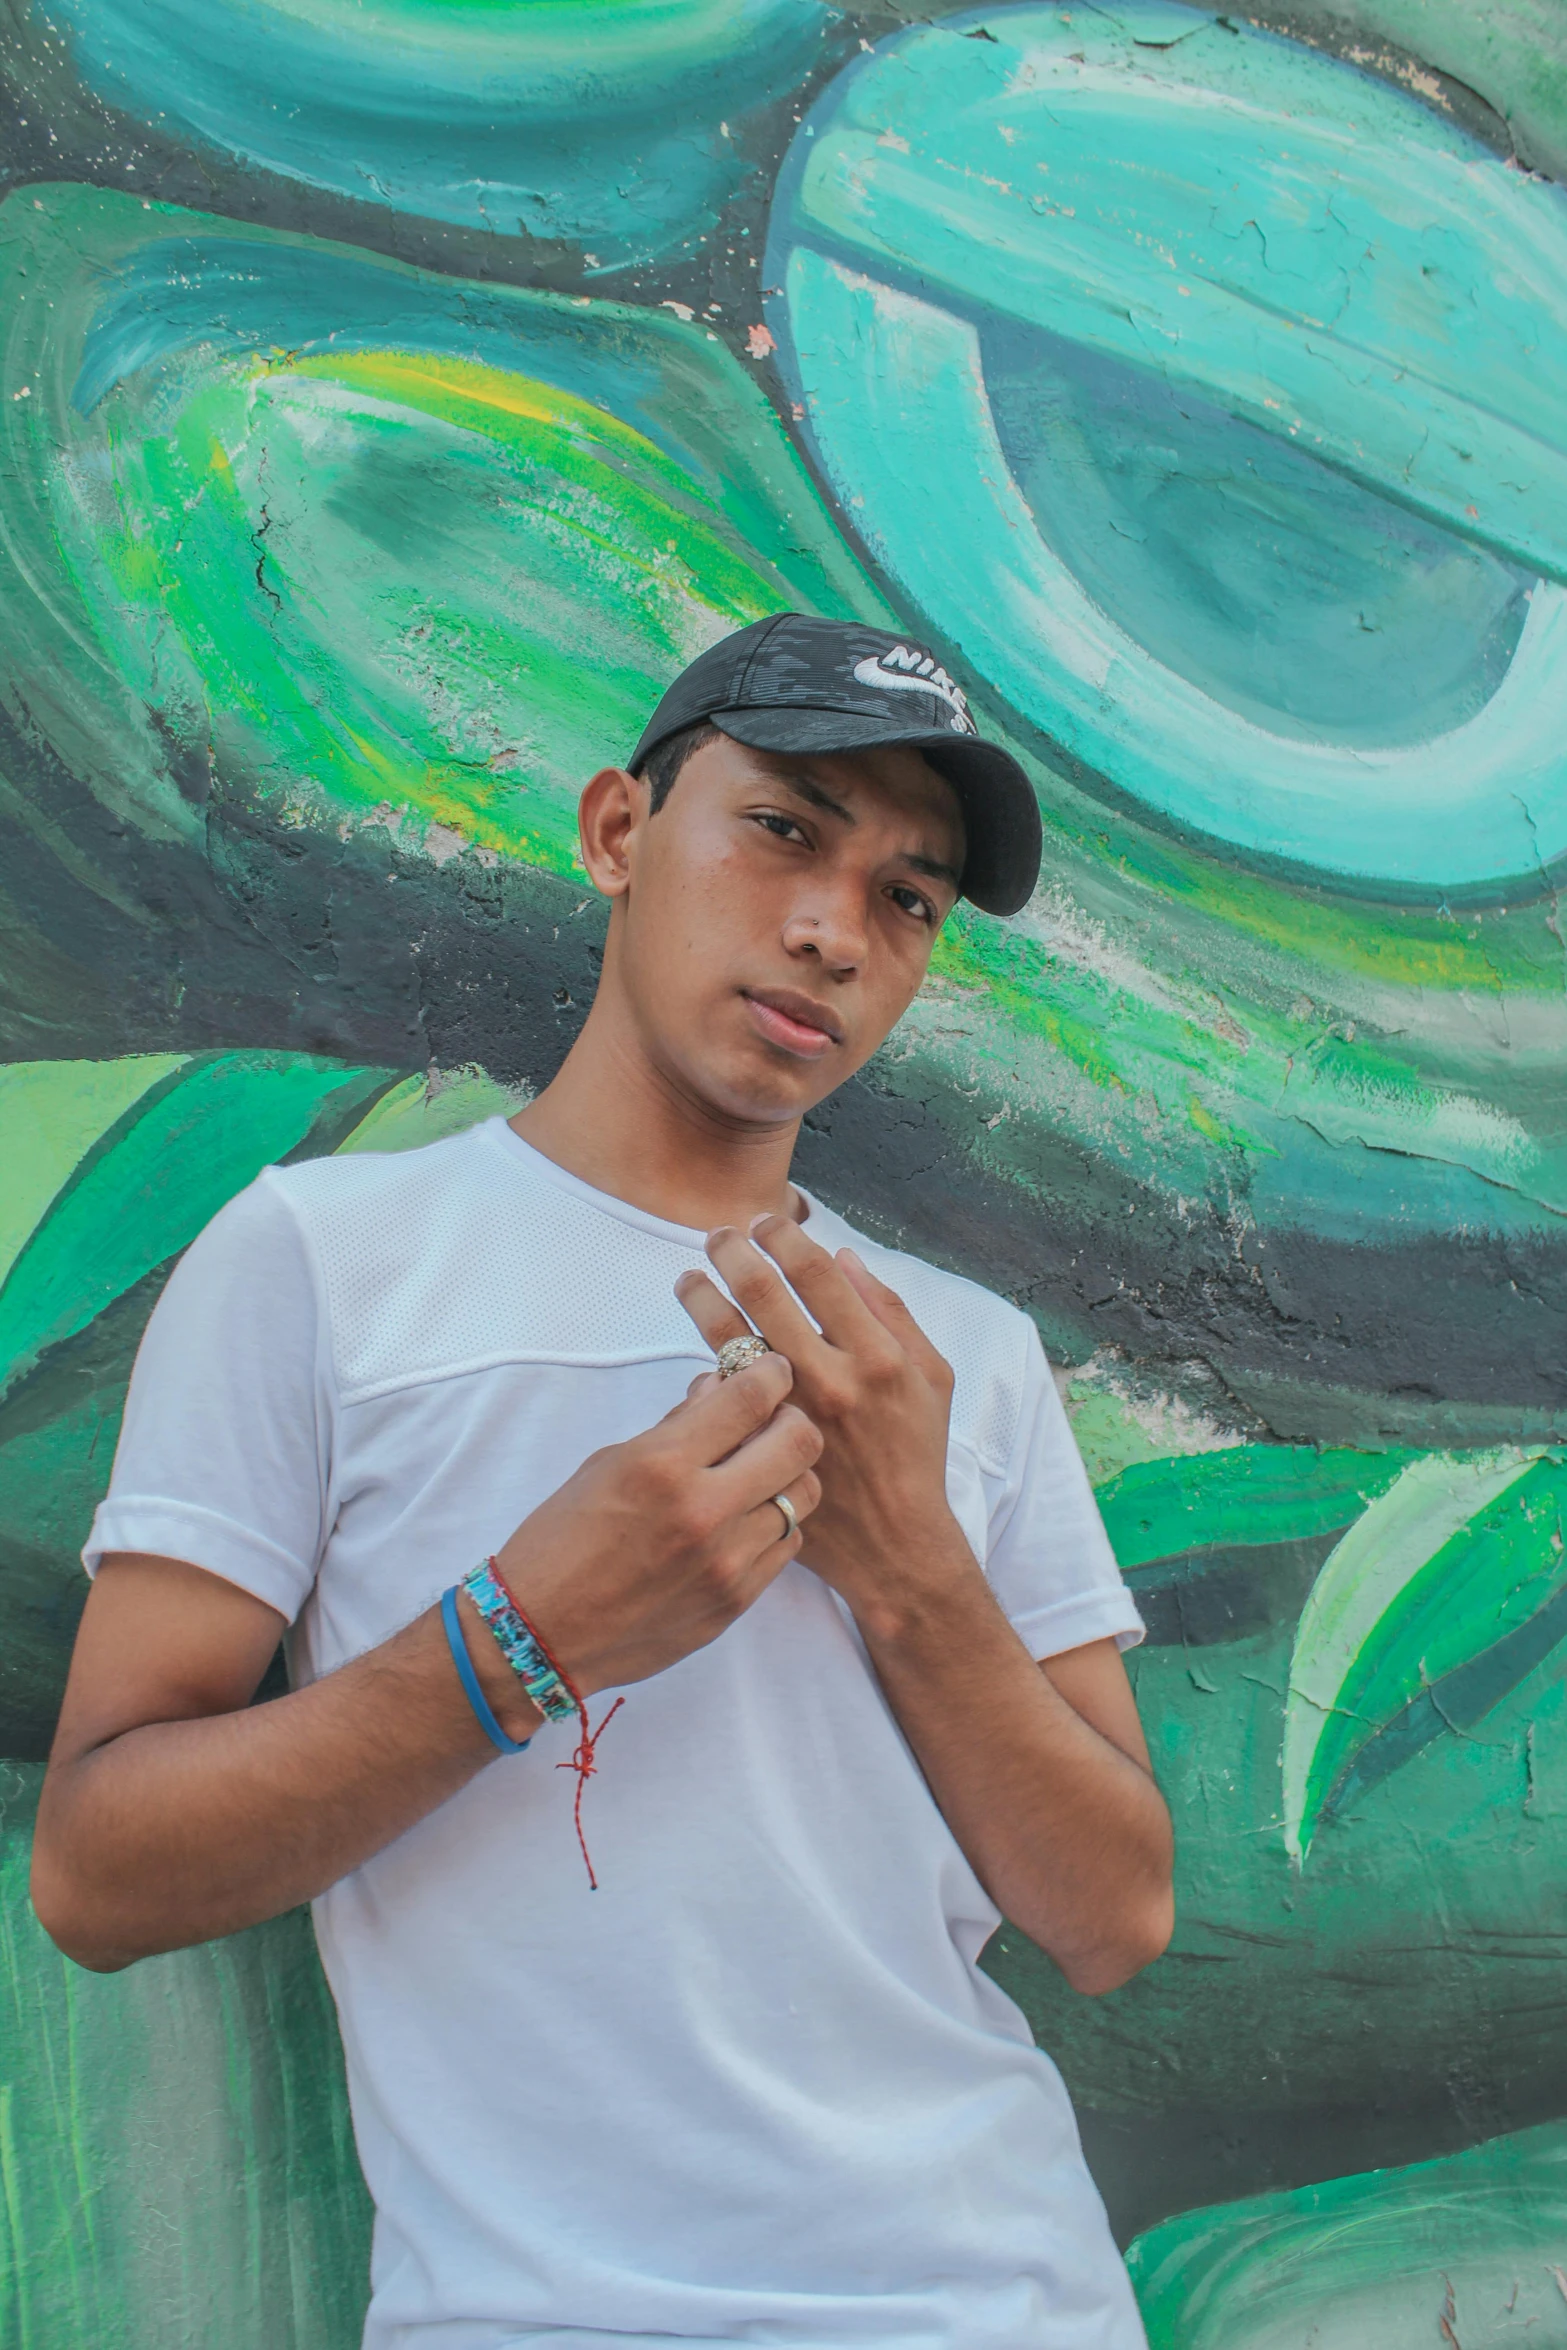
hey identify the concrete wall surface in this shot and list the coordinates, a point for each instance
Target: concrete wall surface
(392, 398)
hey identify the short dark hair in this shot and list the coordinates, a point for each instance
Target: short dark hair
(664, 762)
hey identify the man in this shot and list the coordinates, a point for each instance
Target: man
(753, 2088)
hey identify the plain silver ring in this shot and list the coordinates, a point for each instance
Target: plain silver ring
(735, 1353)
(791, 1522)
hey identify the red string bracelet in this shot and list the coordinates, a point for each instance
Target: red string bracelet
(583, 1761)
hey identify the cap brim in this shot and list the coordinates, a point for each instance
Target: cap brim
(1000, 812)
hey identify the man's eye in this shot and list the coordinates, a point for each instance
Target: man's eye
(783, 827)
(912, 903)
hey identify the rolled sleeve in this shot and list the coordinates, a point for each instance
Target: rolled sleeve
(224, 1458)
(1048, 1557)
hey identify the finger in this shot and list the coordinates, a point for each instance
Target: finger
(753, 1575)
(766, 1524)
(767, 1545)
(846, 1319)
(759, 1290)
(710, 1425)
(768, 1461)
(890, 1310)
(698, 1386)
(715, 1315)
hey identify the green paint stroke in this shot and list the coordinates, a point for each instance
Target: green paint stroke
(365, 542)
(98, 1205)
(1212, 1072)
(51, 1112)
(149, 1183)
(428, 1109)
(1419, 1946)
(1433, 1591)
(1464, 2251)
(1246, 1494)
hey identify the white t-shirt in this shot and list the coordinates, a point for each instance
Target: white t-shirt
(754, 2090)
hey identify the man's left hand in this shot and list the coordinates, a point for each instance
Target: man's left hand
(1046, 1788)
(877, 1389)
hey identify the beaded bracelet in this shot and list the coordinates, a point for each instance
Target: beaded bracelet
(519, 1645)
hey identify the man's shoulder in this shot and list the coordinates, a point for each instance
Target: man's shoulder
(472, 1254)
(416, 1254)
(341, 1194)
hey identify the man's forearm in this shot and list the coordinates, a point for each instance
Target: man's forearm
(174, 1810)
(1068, 1834)
(178, 1831)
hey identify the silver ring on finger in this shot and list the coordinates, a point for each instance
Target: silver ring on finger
(735, 1353)
(782, 1502)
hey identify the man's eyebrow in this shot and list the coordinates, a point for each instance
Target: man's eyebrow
(936, 870)
(812, 793)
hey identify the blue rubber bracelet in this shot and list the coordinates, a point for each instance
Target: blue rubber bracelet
(470, 1679)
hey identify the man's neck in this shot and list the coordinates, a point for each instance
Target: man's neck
(617, 1122)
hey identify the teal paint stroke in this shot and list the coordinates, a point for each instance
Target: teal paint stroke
(617, 127)
(1466, 2250)
(1365, 1144)
(1360, 314)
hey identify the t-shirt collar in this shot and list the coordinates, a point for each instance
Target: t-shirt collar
(828, 1230)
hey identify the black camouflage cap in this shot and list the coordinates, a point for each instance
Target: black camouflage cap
(794, 683)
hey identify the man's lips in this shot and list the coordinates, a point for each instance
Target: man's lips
(793, 1021)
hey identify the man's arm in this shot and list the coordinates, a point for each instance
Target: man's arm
(174, 1810)
(1042, 1774)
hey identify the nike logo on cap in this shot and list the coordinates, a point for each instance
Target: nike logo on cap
(905, 669)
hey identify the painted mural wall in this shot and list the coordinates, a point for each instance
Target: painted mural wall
(392, 397)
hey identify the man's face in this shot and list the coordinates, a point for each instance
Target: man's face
(778, 917)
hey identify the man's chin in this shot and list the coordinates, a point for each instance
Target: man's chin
(748, 1092)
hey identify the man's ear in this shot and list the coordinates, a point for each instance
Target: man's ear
(610, 811)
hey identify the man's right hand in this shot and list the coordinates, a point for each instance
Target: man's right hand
(175, 1810)
(655, 1546)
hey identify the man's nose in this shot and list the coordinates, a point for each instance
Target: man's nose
(831, 927)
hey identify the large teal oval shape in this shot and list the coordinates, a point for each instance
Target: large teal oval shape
(615, 126)
(1204, 393)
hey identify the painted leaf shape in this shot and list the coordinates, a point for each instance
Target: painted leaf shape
(161, 1171)
(51, 1113)
(1432, 1592)
(1332, 2264)
(1248, 1493)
